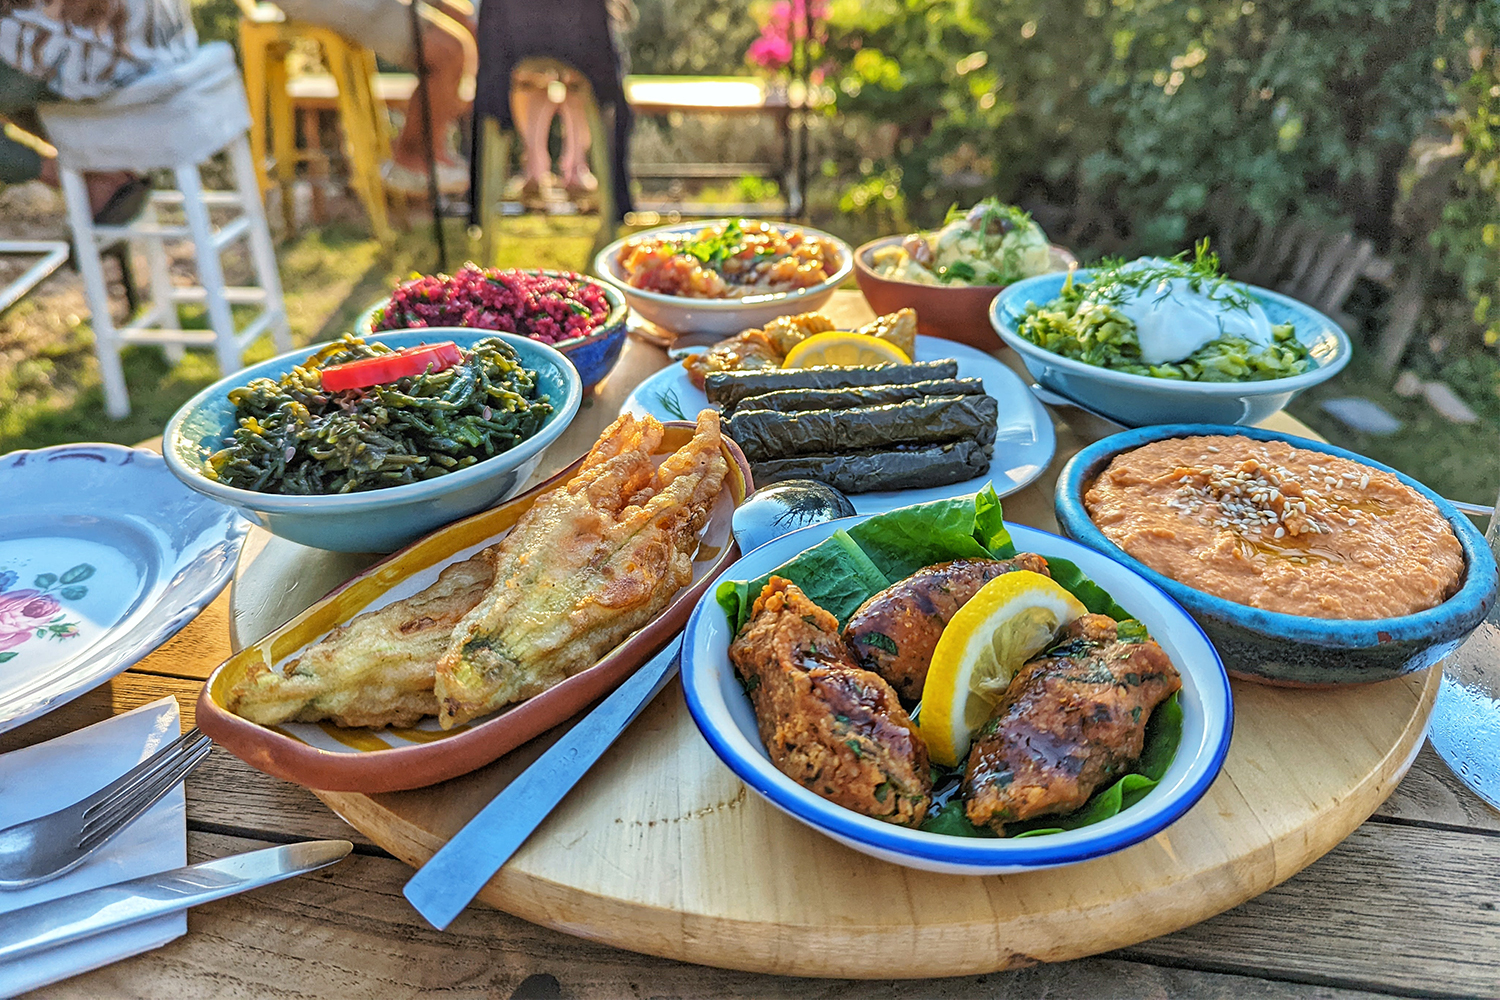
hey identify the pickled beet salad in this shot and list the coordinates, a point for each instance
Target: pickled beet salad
(552, 308)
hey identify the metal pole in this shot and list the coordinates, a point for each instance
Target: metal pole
(805, 72)
(424, 109)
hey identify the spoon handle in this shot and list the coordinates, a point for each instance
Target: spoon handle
(454, 875)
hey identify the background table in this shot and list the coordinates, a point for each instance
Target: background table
(1410, 904)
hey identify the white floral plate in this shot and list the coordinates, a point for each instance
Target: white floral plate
(1024, 441)
(104, 555)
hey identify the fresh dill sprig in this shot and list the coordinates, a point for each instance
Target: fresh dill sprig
(1116, 278)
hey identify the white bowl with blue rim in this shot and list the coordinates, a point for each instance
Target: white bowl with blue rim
(723, 714)
(1140, 400)
(380, 520)
(727, 316)
(1291, 650)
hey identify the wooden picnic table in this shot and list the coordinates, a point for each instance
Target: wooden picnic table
(1407, 905)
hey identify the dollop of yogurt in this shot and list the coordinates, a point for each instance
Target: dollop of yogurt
(1172, 320)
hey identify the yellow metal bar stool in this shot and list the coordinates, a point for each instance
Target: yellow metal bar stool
(266, 38)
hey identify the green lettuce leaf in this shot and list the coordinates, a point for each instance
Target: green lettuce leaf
(835, 574)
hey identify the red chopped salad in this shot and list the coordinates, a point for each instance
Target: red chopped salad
(551, 308)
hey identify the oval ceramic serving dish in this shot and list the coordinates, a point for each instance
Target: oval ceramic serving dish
(680, 314)
(103, 557)
(1138, 400)
(594, 355)
(724, 715)
(372, 520)
(955, 313)
(1284, 649)
(328, 757)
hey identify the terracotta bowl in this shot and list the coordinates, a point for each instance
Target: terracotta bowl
(961, 314)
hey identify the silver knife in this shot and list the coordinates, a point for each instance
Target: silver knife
(110, 907)
(454, 875)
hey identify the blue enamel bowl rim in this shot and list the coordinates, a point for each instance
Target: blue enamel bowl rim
(979, 853)
(1457, 615)
(372, 500)
(614, 321)
(604, 267)
(1010, 304)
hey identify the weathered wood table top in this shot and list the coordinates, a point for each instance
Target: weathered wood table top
(1408, 905)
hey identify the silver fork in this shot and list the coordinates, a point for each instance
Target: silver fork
(46, 847)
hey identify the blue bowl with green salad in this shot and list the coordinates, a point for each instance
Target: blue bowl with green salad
(422, 442)
(1159, 341)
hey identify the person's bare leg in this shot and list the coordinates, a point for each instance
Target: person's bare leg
(533, 112)
(574, 161)
(101, 184)
(449, 51)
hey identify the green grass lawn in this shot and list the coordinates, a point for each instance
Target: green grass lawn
(330, 275)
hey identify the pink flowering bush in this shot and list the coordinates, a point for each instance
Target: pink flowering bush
(548, 308)
(786, 23)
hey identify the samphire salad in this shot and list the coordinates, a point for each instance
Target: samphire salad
(1176, 318)
(989, 244)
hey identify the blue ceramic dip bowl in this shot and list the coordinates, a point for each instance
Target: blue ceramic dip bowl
(1285, 649)
(374, 520)
(594, 355)
(1138, 400)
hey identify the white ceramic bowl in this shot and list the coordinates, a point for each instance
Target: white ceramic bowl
(1139, 400)
(373, 520)
(724, 715)
(680, 314)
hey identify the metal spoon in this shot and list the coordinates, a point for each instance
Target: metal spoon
(453, 876)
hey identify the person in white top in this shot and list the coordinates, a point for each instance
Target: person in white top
(81, 50)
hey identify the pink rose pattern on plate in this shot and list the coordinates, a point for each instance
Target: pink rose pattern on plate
(36, 612)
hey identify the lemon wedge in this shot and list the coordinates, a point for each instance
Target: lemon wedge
(847, 350)
(1010, 620)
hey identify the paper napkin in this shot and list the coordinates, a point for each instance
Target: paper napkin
(39, 779)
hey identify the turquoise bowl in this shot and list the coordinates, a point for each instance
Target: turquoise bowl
(1139, 400)
(1290, 650)
(594, 355)
(375, 520)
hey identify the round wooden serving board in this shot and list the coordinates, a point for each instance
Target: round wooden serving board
(660, 849)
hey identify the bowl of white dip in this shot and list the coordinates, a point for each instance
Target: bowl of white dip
(1164, 344)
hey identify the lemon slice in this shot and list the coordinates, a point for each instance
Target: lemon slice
(847, 350)
(1010, 620)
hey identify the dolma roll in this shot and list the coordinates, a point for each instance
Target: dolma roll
(728, 388)
(883, 469)
(788, 400)
(767, 434)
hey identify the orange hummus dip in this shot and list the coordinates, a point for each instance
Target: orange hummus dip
(1276, 527)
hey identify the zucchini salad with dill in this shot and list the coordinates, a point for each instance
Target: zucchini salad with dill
(1176, 318)
(361, 416)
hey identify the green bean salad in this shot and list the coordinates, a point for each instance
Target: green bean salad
(294, 438)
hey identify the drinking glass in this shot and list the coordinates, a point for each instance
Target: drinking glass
(1465, 727)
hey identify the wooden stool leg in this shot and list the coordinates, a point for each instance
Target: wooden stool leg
(262, 255)
(253, 46)
(494, 163)
(357, 119)
(317, 164)
(86, 251)
(283, 140)
(210, 271)
(163, 309)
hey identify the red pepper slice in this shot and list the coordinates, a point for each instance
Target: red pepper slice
(390, 367)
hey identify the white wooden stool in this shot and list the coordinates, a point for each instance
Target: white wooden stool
(175, 119)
